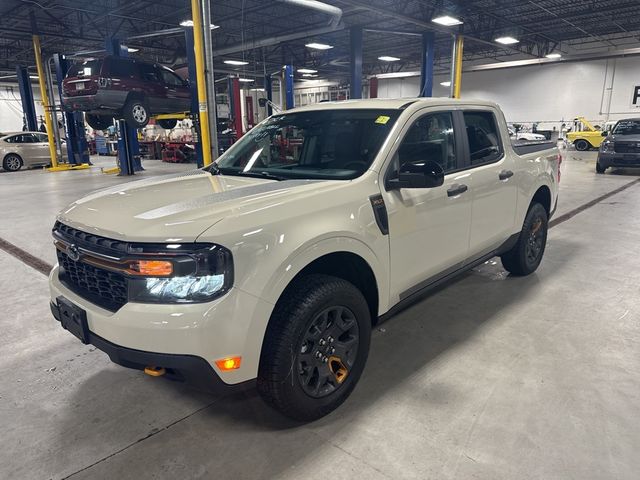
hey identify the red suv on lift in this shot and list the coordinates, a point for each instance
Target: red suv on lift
(125, 88)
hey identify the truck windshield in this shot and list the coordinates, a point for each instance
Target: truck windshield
(627, 127)
(322, 144)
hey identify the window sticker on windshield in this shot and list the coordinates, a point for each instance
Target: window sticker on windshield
(382, 119)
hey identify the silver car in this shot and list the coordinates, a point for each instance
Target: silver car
(25, 149)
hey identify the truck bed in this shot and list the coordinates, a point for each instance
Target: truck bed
(525, 147)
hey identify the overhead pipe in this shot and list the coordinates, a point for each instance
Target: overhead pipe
(335, 24)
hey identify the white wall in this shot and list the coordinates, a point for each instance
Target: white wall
(544, 93)
(11, 107)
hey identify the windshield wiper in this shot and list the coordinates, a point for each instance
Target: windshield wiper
(258, 174)
(214, 169)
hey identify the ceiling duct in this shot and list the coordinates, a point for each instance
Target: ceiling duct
(334, 24)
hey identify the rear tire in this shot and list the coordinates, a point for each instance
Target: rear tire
(582, 145)
(12, 163)
(98, 122)
(136, 112)
(168, 124)
(315, 347)
(600, 168)
(526, 255)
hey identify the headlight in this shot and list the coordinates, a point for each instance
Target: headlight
(607, 146)
(198, 276)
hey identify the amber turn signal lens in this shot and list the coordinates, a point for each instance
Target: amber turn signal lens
(229, 363)
(152, 268)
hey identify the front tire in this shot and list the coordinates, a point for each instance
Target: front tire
(315, 347)
(526, 255)
(12, 163)
(136, 112)
(582, 145)
(600, 168)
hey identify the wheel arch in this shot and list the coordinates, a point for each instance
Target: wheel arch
(543, 196)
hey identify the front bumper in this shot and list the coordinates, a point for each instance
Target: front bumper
(185, 338)
(612, 159)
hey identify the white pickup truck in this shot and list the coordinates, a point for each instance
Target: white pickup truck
(271, 266)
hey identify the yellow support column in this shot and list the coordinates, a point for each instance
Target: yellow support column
(202, 87)
(45, 101)
(457, 63)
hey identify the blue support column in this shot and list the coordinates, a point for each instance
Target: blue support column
(355, 62)
(77, 148)
(268, 88)
(426, 69)
(26, 96)
(193, 87)
(288, 86)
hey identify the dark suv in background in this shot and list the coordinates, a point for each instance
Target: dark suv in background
(126, 88)
(621, 147)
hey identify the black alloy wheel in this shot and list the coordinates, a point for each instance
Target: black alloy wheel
(315, 347)
(526, 255)
(328, 351)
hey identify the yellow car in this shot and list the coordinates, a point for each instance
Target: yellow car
(586, 137)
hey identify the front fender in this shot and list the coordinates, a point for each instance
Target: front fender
(317, 248)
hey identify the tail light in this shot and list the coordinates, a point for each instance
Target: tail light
(559, 163)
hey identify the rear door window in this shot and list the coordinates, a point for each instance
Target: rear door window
(120, 68)
(483, 137)
(149, 73)
(171, 78)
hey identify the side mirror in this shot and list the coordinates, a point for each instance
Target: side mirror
(186, 83)
(419, 174)
(262, 102)
(605, 134)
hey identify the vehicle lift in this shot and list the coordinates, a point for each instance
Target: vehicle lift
(75, 162)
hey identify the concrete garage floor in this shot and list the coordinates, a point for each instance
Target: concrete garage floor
(492, 377)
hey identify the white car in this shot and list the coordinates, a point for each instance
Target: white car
(25, 149)
(529, 136)
(274, 263)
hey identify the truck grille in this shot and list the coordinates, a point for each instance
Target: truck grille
(626, 147)
(104, 288)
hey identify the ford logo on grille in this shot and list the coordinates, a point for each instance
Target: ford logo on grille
(73, 253)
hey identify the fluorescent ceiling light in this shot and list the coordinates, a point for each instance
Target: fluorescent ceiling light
(386, 58)
(319, 46)
(246, 80)
(307, 70)
(189, 23)
(236, 62)
(447, 21)
(132, 50)
(446, 84)
(398, 75)
(507, 40)
(553, 55)
(309, 75)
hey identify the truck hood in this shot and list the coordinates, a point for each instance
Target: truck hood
(175, 208)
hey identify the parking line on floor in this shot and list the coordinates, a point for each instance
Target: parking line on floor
(25, 257)
(567, 216)
(44, 267)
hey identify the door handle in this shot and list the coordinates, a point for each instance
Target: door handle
(456, 190)
(505, 174)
